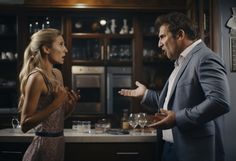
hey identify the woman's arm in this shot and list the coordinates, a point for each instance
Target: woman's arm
(36, 86)
(72, 96)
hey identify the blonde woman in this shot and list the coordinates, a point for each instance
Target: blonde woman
(45, 102)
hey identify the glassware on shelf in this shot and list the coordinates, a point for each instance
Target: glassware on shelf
(113, 26)
(47, 25)
(125, 28)
(107, 30)
(36, 26)
(36, 23)
(86, 49)
(120, 52)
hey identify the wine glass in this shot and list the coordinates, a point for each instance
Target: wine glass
(142, 121)
(15, 124)
(133, 121)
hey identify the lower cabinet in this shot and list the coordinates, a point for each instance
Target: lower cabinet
(12, 151)
(88, 151)
(110, 152)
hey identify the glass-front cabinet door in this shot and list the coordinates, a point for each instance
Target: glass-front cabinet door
(156, 66)
(120, 48)
(8, 63)
(37, 22)
(105, 39)
(87, 48)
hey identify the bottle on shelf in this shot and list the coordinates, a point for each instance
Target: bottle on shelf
(125, 120)
(125, 28)
(113, 26)
(47, 25)
(36, 27)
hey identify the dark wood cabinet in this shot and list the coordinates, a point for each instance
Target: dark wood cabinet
(155, 66)
(8, 62)
(90, 42)
(110, 152)
(10, 151)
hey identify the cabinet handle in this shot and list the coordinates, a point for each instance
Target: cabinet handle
(11, 152)
(102, 52)
(127, 153)
(108, 52)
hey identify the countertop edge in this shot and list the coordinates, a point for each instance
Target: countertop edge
(8, 135)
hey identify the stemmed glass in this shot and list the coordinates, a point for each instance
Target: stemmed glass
(133, 121)
(142, 121)
(15, 123)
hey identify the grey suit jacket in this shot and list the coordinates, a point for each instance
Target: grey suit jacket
(200, 97)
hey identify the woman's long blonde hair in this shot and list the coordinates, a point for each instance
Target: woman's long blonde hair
(33, 56)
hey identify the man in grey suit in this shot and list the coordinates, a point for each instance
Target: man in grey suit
(195, 97)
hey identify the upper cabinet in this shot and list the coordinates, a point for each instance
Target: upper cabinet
(37, 22)
(156, 66)
(101, 38)
(203, 15)
(106, 33)
(8, 62)
(206, 15)
(111, 4)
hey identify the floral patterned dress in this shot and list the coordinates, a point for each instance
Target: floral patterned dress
(47, 148)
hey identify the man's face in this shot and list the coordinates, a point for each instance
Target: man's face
(168, 43)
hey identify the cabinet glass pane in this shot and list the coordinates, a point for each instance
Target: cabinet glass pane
(7, 36)
(36, 23)
(8, 63)
(150, 49)
(157, 67)
(86, 49)
(120, 49)
(156, 76)
(102, 24)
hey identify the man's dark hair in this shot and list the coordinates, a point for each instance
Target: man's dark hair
(177, 21)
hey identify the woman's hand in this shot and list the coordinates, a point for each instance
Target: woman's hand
(59, 93)
(73, 97)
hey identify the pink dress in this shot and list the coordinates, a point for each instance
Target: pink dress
(47, 147)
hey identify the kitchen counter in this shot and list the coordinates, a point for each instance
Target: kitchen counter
(71, 136)
(85, 146)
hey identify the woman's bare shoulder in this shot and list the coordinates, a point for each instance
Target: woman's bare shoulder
(58, 73)
(36, 79)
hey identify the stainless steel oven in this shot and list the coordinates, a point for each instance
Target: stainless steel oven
(118, 78)
(91, 83)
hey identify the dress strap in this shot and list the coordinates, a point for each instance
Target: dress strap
(47, 81)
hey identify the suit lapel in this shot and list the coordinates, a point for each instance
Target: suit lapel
(163, 95)
(184, 65)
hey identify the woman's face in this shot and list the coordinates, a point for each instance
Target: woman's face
(168, 43)
(58, 51)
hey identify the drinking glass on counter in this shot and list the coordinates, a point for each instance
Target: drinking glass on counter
(102, 126)
(86, 125)
(15, 123)
(81, 126)
(133, 121)
(75, 125)
(142, 121)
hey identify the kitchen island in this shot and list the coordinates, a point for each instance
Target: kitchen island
(85, 146)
